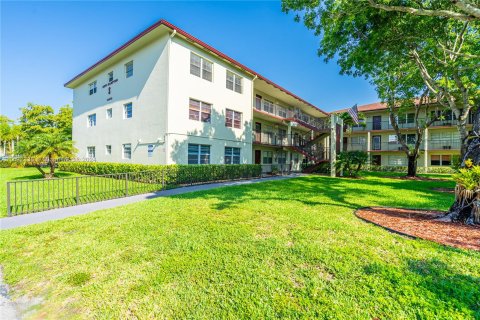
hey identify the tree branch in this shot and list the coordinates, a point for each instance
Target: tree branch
(471, 11)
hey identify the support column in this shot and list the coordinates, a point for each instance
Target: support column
(334, 120)
(369, 147)
(425, 140)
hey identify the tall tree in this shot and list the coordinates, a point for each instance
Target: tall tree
(444, 51)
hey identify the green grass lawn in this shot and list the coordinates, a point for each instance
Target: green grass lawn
(280, 249)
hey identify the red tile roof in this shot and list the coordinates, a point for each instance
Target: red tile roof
(199, 42)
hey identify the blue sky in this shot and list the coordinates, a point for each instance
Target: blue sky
(45, 44)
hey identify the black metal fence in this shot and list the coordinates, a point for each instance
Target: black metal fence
(27, 196)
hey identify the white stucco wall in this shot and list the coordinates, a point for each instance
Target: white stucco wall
(146, 90)
(183, 86)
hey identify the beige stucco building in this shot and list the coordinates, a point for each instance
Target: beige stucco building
(441, 141)
(165, 97)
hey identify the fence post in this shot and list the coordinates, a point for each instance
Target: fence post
(77, 189)
(9, 209)
(126, 184)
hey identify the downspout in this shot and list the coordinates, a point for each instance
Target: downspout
(165, 139)
(252, 123)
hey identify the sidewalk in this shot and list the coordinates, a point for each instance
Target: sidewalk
(61, 213)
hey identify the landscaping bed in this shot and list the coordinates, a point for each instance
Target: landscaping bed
(423, 224)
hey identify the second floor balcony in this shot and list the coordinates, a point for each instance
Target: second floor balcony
(279, 140)
(372, 125)
(296, 115)
(431, 144)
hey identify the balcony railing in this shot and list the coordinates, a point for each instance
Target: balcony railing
(297, 114)
(443, 144)
(280, 140)
(386, 125)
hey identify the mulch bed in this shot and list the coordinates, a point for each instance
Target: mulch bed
(423, 224)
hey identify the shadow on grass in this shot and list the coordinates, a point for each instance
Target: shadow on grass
(334, 191)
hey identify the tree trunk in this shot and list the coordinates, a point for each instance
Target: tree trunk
(51, 162)
(412, 166)
(39, 168)
(459, 212)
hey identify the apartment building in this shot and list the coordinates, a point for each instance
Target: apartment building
(441, 141)
(166, 97)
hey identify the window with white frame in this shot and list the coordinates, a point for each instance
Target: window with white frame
(108, 149)
(91, 152)
(268, 106)
(234, 82)
(441, 160)
(267, 157)
(397, 160)
(406, 118)
(201, 67)
(392, 138)
(110, 76)
(109, 113)
(129, 69)
(92, 87)
(127, 151)
(199, 110)
(232, 155)
(92, 120)
(358, 140)
(198, 154)
(233, 119)
(150, 148)
(127, 110)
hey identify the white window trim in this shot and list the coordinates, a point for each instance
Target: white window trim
(123, 151)
(201, 66)
(234, 76)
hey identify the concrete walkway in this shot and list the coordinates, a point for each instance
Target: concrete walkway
(61, 213)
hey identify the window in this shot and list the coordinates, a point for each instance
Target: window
(127, 110)
(267, 157)
(397, 160)
(199, 111)
(234, 82)
(406, 118)
(281, 157)
(268, 106)
(129, 69)
(258, 102)
(232, 155)
(392, 138)
(91, 152)
(410, 138)
(92, 87)
(92, 120)
(358, 140)
(109, 113)
(201, 67)
(441, 160)
(108, 149)
(233, 119)
(376, 160)
(110, 76)
(198, 154)
(150, 150)
(127, 151)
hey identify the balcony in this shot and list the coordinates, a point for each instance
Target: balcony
(279, 140)
(296, 115)
(355, 147)
(385, 125)
(444, 144)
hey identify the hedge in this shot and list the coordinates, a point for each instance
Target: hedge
(171, 174)
(403, 169)
(12, 163)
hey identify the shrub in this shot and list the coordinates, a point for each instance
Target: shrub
(12, 163)
(351, 162)
(172, 174)
(403, 169)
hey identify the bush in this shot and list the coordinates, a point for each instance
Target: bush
(403, 169)
(351, 162)
(171, 174)
(12, 163)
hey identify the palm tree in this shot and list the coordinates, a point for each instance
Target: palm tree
(47, 147)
